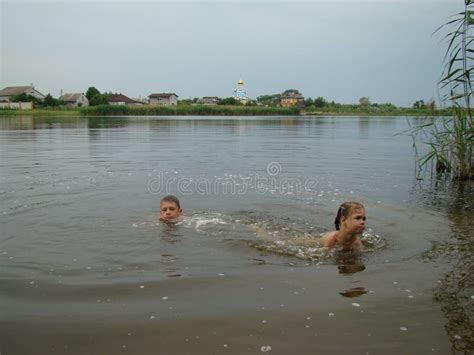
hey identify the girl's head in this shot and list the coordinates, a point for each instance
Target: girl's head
(170, 208)
(353, 212)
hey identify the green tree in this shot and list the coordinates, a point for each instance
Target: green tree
(419, 104)
(91, 92)
(229, 101)
(269, 100)
(364, 101)
(25, 98)
(320, 102)
(22, 98)
(50, 101)
(99, 99)
(96, 98)
(291, 91)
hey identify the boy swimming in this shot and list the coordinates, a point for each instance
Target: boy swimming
(350, 223)
(170, 209)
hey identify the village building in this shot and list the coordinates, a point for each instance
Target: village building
(121, 99)
(163, 99)
(140, 100)
(8, 92)
(291, 98)
(208, 100)
(74, 100)
(240, 94)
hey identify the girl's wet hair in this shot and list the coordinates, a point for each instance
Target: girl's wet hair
(345, 210)
(170, 198)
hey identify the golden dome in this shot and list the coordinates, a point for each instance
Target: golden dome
(240, 82)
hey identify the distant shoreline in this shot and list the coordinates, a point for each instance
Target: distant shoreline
(218, 110)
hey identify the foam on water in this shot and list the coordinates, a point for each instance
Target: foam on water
(197, 221)
(291, 240)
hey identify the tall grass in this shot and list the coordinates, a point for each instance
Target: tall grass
(451, 140)
(184, 110)
(376, 110)
(50, 111)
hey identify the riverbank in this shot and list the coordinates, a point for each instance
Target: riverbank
(219, 110)
(401, 111)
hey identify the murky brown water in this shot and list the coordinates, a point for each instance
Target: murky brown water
(85, 268)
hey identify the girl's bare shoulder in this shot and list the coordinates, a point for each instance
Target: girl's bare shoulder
(329, 238)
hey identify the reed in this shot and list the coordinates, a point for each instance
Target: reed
(184, 110)
(450, 141)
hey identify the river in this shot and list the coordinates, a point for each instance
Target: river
(86, 267)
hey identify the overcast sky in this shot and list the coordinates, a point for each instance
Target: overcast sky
(341, 50)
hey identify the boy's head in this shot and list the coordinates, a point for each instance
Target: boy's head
(170, 208)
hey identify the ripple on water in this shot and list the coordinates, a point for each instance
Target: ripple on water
(273, 234)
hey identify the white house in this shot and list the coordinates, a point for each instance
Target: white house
(208, 100)
(10, 91)
(75, 100)
(165, 99)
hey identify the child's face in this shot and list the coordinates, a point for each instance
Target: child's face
(355, 222)
(169, 211)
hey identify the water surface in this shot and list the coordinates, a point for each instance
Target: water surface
(87, 268)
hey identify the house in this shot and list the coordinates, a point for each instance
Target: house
(75, 100)
(165, 99)
(10, 91)
(121, 99)
(208, 100)
(140, 100)
(291, 98)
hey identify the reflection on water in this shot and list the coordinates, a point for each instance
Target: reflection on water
(353, 292)
(32, 122)
(170, 232)
(348, 263)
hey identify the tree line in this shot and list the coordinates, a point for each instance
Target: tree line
(96, 98)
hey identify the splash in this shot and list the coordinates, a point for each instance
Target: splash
(287, 240)
(371, 240)
(197, 221)
(291, 241)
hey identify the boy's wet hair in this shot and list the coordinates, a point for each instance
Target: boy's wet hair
(345, 210)
(171, 198)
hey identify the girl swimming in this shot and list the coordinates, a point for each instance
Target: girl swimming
(350, 223)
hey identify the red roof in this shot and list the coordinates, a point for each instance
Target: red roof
(162, 95)
(121, 98)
